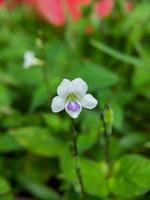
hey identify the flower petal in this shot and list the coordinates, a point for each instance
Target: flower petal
(2, 2)
(74, 7)
(79, 87)
(103, 8)
(74, 109)
(89, 101)
(50, 10)
(30, 59)
(64, 88)
(58, 104)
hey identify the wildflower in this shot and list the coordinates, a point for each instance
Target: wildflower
(30, 60)
(72, 97)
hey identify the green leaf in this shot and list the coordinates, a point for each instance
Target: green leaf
(87, 140)
(131, 176)
(39, 98)
(87, 124)
(141, 81)
(39, 190)
(4, 100)
(116, 54)
(25, 77)
(141, 77)
(56, 123)
(95, 75)
(118, 116)
(38, 140)
(8, 79)
(4, 186)
(8, 143)
(15, 119)
(71, 195)
(133, 140)
(91, 171)
(17, 45)
(140, 16)
(5, 190)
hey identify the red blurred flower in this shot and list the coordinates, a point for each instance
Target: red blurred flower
(103, 8)
(55, 11)
(50, 10)
(1, 2)
(11, 4)
(128, 6)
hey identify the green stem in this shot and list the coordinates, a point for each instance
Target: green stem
(76, 159)
(45, 70)
(46, 78)
(106, 139)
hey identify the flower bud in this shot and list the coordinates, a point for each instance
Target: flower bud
(108, 118)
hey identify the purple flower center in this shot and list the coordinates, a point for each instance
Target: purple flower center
(73, 106)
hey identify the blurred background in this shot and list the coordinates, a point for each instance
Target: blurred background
(105, 42)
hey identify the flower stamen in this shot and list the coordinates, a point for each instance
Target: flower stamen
(71, 97)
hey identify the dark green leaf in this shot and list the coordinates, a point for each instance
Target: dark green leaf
(131, 176)
(38, 140)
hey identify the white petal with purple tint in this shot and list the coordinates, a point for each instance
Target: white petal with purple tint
(79, 87)
(73, 108)
(58, 104)
(64, 88)
(89, 101)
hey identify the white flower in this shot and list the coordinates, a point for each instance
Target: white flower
(72, 97)
(30, 60)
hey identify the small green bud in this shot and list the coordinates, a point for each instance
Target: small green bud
(108, 117)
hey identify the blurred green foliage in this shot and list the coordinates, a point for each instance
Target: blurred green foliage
(35, 160)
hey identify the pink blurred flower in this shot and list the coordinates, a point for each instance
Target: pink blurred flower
(103, 8)
(1, 2)
(55, 11)
(50, 10)
(128, 5)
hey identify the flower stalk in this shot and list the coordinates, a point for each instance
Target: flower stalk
(107, 120)
(41, 45)
(106, 139)
(76, 159)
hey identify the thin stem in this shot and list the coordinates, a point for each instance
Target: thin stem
(46, 78)
(76, 158)
(106, 139)
(45, 70)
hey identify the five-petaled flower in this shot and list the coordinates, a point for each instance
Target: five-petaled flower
(72, 97)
